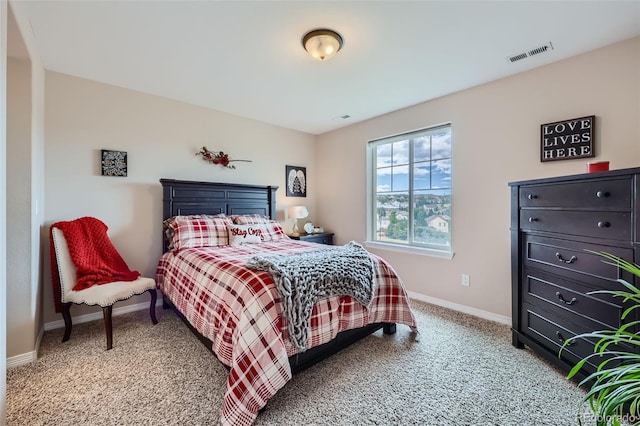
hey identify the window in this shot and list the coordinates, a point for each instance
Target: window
(410, 187)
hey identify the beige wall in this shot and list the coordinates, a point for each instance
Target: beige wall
(496, 139)
(161, 137)
(20, 324)
(25, 186)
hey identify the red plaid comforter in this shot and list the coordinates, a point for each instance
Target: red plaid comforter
(239, 310)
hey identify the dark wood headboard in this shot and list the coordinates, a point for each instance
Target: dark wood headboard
(182, 197)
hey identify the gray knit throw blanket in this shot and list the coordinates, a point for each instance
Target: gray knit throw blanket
(303, 278)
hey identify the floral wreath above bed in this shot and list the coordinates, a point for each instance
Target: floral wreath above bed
(218, 157)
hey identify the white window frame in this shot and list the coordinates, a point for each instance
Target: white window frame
(411, 248)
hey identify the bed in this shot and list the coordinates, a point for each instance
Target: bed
(236, 310)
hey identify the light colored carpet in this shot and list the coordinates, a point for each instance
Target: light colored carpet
(463, 371)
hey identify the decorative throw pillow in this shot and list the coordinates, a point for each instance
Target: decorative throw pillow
(273, 230)
(241, 234)
(249, 219)
(197, 231)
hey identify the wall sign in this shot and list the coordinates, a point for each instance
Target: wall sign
(568, 139)
(114, 163)
(296, 181)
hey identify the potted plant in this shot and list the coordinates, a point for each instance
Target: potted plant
(614, 388)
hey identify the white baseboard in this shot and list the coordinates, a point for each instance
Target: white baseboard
(461, 308)
(25, 358)
(22, 359)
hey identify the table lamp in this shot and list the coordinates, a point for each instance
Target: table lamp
(297, 212)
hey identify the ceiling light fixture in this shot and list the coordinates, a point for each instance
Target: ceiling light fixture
(322, 43)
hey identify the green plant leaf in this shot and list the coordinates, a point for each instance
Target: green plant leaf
(615, 384)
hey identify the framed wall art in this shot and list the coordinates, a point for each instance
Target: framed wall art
(296, 181)
(568, 139)
(114, 163)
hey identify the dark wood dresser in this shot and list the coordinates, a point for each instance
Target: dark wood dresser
(554, 224)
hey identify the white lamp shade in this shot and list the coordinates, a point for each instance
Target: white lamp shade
(298, 212)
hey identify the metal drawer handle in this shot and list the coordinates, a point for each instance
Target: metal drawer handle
(532, 196)
(565, 301)
(563, 260)
(532, 219)
(602, 194)
(559, 335)
(603, 224)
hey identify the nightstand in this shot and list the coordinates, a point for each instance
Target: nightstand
(318, 237)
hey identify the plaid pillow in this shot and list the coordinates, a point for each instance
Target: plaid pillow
(249, 219)
(197, 231)
(272, 230)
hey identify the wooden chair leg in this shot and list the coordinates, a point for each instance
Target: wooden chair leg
(66, 315)
(106, 313)
(152, 308)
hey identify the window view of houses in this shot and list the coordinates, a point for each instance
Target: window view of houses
(431, 219)
(413, 190)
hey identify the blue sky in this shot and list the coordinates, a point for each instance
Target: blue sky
(432, 166)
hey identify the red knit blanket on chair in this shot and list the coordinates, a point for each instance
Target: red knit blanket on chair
(96, 259)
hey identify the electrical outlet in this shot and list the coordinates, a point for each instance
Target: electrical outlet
(465, 280)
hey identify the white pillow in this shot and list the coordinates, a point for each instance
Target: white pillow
(241, 234)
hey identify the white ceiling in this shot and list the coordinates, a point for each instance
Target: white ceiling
(246, 57)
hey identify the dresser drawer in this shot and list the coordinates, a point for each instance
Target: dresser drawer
(320, 238)
(599, 224)
(572, 297)
(551, 332)
(572, 260)
(603, 194)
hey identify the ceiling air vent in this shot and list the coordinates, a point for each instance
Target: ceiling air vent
(531, 52)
